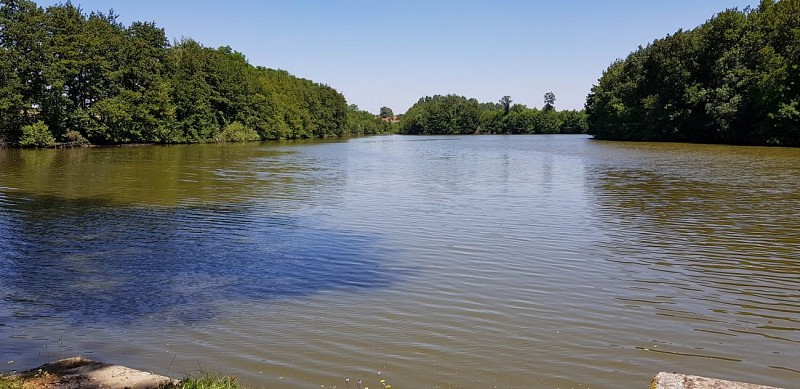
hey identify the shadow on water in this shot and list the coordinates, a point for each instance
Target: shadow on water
(93, 261)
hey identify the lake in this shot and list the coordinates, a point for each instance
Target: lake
(442, 262)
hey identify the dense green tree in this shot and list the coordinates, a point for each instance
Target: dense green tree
(136, 105)
(386, 113)
(439, 114)
(364, 123)
(88, 76)
(237, 132)
(573, 122)
(23, 58)
(549, 101)
(36, 135)
(453, 114)
(505, 101)
(731, 80)
(492, 121)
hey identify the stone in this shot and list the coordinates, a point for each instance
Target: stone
(682, 381)
(79, 372)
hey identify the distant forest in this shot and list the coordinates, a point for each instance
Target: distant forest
(452, 114)
(734, 79)
(69, 76)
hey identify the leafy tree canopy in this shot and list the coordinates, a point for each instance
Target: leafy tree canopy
(733, 79)
(452, 114)
(73, 75)
(386, 113)
(549, 101)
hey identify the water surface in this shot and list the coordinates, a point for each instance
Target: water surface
(462, 262)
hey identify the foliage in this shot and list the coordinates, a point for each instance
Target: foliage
(386, 113)
(207, 381)
(36, 135)
(505, 101)
(449, 114)
(453, 114)
(238, 132)
(573, 122)
(34, 380)
(733, 79)
(10, 383)
(364, 123)
(75, 137)
(549, 101)
(90, 75)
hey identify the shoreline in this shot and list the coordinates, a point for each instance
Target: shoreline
(80, 372)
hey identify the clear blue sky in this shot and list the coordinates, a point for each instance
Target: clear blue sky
(394, 52)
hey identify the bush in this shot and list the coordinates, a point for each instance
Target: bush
(237, 132)
(37, 135)
(75, 137)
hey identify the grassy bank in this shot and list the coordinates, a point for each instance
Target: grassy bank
(207, 381)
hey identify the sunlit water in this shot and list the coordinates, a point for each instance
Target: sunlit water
(443, 262)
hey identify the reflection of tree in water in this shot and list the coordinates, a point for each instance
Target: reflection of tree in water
(701, 242)
(164, 175)
(89, 261)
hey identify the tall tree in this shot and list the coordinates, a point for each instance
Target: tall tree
(386, 113)
(549, 101)
(505, 101)
(731, 80)
(22, 62)
(439, 114)
(77, 75)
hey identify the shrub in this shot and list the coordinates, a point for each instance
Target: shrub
(37, 135)
(238, 132)
(73, 136)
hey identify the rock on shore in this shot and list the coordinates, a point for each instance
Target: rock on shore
(683, 381)
(79, 372)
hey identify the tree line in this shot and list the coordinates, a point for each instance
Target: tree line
(66, 75)
(452, 114)
(735, 79)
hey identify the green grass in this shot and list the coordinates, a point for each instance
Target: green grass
(9, 383)
(205, 381)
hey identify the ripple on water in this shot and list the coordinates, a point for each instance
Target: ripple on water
(116, 264)
(460, 262)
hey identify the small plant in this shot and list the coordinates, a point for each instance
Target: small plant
(37, 381)
(360, 383)
(7, 382)
(206, 381)
(75, 137)
(238, 132)
(37, 135)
